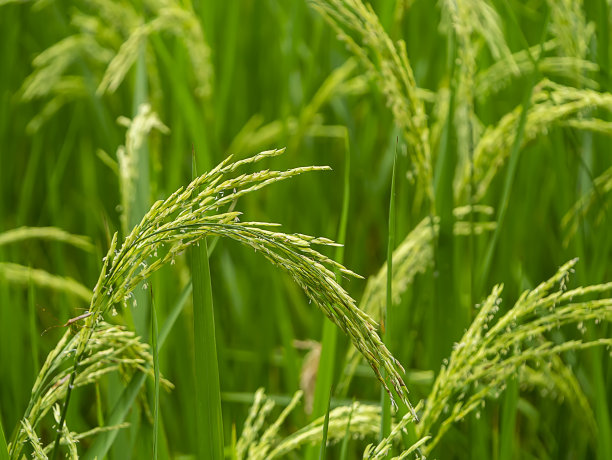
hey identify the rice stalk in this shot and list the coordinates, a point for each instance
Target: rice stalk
(467, 22)
(156, 375)
(514, 155)
(323, 447)
(455, 145)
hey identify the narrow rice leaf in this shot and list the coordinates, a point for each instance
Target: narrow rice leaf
(155, 350)
(347, 435)
(322, 452)
(3, 447)
(34, 333)
(387, 319)
(507, 449)
(105, 440)
(209, 422)
(174, 314)
(602, 405)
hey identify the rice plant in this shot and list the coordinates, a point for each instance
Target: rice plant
(467, 182)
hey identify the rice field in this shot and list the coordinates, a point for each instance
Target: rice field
(305, 230)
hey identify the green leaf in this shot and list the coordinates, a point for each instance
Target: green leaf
(3, 446)
(154, 346)
(209, 420)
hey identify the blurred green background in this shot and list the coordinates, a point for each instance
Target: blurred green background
(244, 76)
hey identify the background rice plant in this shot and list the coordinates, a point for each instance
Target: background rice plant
(101, 104)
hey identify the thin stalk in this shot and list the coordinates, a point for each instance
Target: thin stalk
(507, 448)
(60, 426)
(99, 413)
(139, 202)
(209, 421)
(155, 350)
(323, 450)
(347, 435)
(387, 320)
(3, 447)
(600, 395)
(34, 334)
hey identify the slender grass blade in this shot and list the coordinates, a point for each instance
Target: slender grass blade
(154, 346)
(209, 420)
(3, 447)
(387, 320)
(323, 450)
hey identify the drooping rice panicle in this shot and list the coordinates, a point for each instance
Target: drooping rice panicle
(197, 211)
(492, 350)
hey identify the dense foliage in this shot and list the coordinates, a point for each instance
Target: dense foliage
(458, 152)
